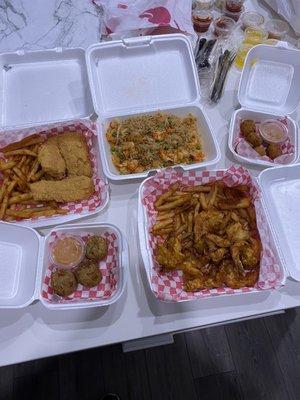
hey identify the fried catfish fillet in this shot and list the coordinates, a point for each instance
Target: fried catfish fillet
(69, 189)
(73, 148)
(51, 160)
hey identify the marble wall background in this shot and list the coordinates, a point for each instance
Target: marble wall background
(42, 24)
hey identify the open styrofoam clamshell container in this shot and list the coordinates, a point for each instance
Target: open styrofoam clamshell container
(168, 287)
(145, 75)
(281, 193)
(25, 263)
(268, 89)
(48, 91)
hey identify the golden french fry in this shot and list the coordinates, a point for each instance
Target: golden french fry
(26, 142)
(20, 198)
(212, 196)
(21, 152)
(2, 189)
(19, 174)
(203, 201)
(162, 216)
(197, 209)
(198, 188)
(34, 169)
(190, 222)
(7, 165)
(37, 176)
(3, 206)
(177, 222)
(22, 161)
(166, 195)
(163, 232)
(172, 205)
(162, 224)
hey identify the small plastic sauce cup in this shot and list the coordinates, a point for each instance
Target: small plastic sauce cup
(233, 9)
(67, 251)
(251, 19)
(223, 26)
(277, 29)
(202, 20)
(255, 36)
(273, 131)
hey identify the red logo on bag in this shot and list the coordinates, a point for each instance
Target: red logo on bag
(157, 15)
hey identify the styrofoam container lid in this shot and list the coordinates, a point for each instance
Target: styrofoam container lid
(281, 193)
(137, 73)
(270, 80)
(44, 86)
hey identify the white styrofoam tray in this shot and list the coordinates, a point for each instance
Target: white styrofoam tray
(45, 86)
(24, 259)
(268, 88)
(281, 193)
(142, 76)
(60, 219)
(208, 140)
(146, 251)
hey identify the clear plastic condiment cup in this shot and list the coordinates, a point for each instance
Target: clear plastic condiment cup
(60, 249)
(251, 19)
(223, 26)
(276, 28)
(202, 20)
(255, 36)
(273, 131)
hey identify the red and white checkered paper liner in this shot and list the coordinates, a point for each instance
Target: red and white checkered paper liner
(109, 269)
(243, 148)
(88, 130)
(169, 286)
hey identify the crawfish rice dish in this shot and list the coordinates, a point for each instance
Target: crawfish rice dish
(209, 232)
(147, 142)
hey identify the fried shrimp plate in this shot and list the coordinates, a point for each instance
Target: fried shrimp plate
(209, 232)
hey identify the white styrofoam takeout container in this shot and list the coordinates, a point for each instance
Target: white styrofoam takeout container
(281, 194)
(144, 75)
(43, 89)
(276, 197)
(268, 89)
(24, 259)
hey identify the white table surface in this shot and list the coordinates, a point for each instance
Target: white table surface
(36, 332)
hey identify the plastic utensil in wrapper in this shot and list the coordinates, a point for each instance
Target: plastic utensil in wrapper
(277, 29)
(251, 19)
(223, 26)
(67, 251)
(202, 20)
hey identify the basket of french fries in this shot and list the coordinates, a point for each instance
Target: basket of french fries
(205, 233)
(51, 174)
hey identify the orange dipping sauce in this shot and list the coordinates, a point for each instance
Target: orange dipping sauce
(68, 251)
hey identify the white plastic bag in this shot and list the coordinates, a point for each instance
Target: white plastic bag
(124, 18)
(289, 10)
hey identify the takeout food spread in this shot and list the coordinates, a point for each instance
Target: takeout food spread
(202, 232)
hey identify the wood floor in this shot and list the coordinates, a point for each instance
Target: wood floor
(257, 359)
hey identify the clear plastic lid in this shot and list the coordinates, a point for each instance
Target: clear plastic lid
(140, 73)
(270, 80)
